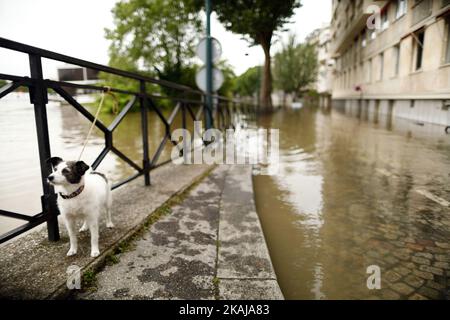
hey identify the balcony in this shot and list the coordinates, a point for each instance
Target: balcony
(421, 10)
(353, 26)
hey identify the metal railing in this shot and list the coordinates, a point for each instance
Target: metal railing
(223, 115)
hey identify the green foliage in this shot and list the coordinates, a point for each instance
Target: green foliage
(89, 280)
(257, 21)
(157, 37)
(249, 82)
(162, 33)
(121, 62)
(2, 83)
(295, 66)
(229, 79)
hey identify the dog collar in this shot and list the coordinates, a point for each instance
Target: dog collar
(73, 194)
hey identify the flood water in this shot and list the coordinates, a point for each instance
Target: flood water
(350, 195)
(354, 190)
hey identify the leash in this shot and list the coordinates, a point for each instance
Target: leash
(115, 111)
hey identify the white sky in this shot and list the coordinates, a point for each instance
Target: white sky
(76, 28)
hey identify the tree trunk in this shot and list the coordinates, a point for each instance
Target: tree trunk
(266, 85)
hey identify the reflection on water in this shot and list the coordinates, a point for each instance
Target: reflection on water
(20, 181)
(346, 198)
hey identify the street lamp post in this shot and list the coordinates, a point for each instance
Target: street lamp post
(209, 79)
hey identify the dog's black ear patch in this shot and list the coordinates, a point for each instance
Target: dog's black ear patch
(54, 161)
(81, 167)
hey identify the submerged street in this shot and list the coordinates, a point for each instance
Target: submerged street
(357, 190)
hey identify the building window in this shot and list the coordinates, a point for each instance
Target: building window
(419, 38)
(369, 71)
(421, 9)
(397, 60)
(402, 7)
(381, 66)
(361, 73)
(447, 53)
(385, 18)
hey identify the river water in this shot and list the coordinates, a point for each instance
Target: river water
(20, 181)
(354, 190)
(350, 194)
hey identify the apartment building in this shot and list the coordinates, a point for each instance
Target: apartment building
(401, 67)
(321, 39)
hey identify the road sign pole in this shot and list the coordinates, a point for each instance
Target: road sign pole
(209, 78)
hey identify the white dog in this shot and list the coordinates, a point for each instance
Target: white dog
(83, 194)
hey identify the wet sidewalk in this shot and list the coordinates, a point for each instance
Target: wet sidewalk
(210, 246)
(31, 267)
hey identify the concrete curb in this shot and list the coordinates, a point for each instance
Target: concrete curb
(210, 246)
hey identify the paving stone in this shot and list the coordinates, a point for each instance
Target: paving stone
(443, 265)
(373, 254)
(391, 276)
(401, 270)
(430, 293)
(391, 260)
(417, 296)
(414, 246)
(425, 255)
(433, 270)
(421, 261)
(409, 240)
(402, 288)
(388, 294)
(442, 257)
(398, 244)
(443, 245)
(423, 275)
(436, 250)
(426, 242)
(414, 281)
(435, 285)
(391, 236)
(401, 255)
(409, 265)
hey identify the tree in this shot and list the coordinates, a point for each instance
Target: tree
(295, 66)
(248, 83)
(158, 36)
(257, 21)
(227, 87)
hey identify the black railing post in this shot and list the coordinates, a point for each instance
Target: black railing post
(184, 125)
(38, 97)
(144, 127)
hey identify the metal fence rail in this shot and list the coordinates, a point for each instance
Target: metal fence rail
(223, 116)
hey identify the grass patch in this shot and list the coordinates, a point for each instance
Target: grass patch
(89, 281)
(111, 259)
(216, 282)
